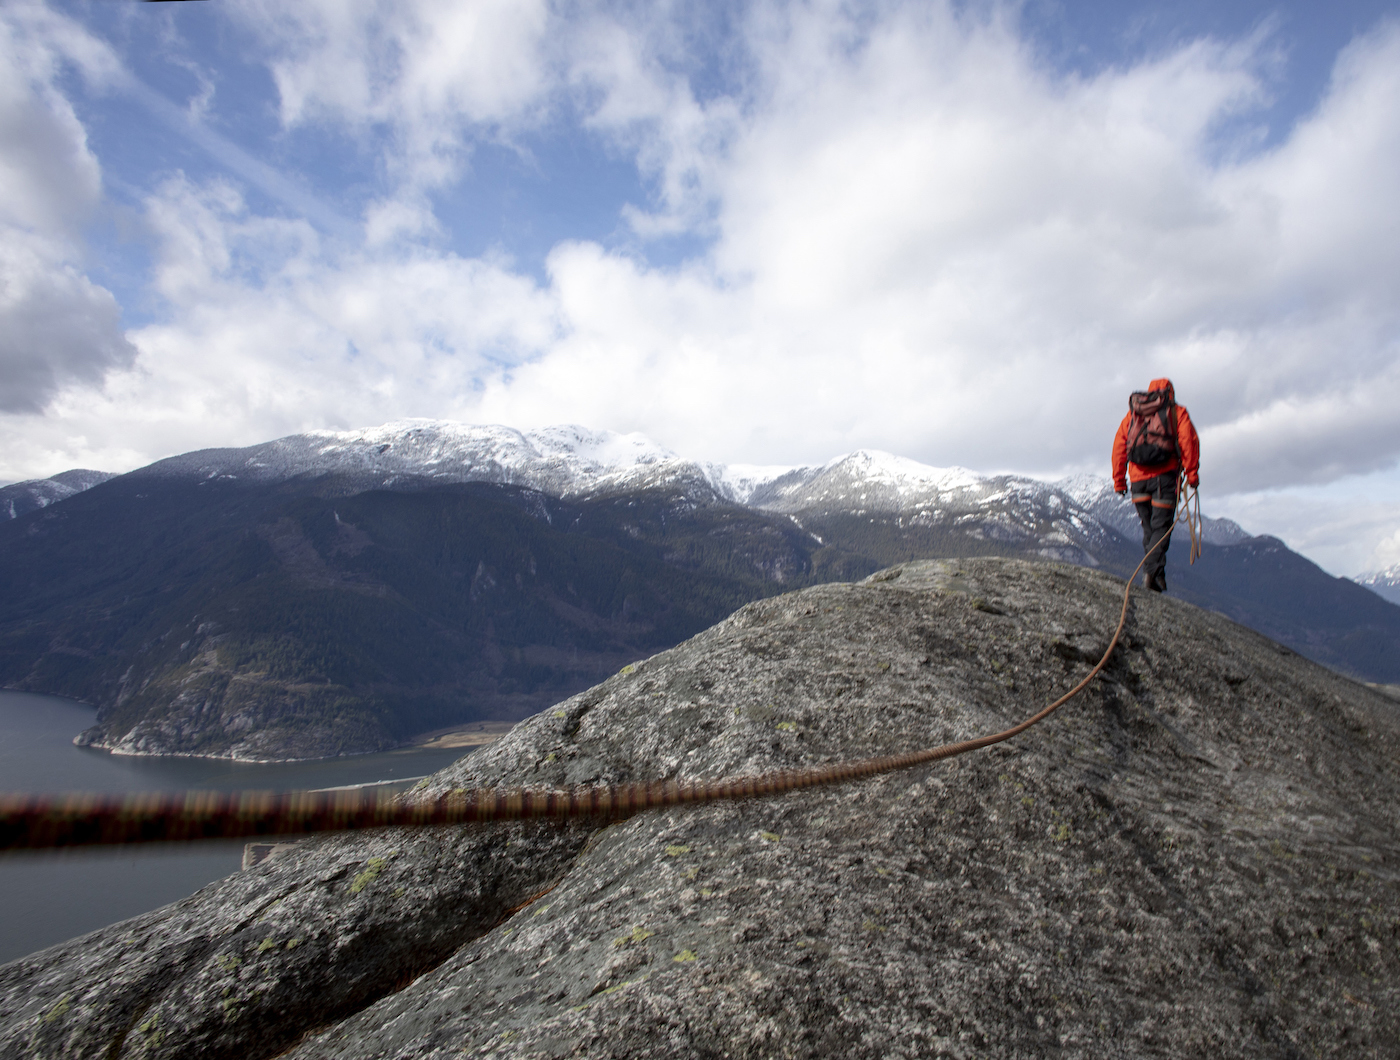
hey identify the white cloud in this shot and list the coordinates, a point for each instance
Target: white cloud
(422, 82)
(1349, 527)
(633, 80)
(47, 174)
(922, 239)
(399, 219)
(56, 326)
(929, 243)
(429, 73)
(1387, 552)
(269, 331)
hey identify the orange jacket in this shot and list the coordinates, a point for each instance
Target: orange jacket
(1186, 441)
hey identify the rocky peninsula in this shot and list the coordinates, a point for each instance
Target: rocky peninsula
(1196, 857)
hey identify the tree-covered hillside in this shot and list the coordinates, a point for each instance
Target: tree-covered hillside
(308, 618)
(295, 620)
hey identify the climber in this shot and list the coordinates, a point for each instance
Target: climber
(1155, 446)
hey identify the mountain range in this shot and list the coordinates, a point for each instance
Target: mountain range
(334, 592)
(575, 462)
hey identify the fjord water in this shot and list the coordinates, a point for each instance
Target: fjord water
(49, 897)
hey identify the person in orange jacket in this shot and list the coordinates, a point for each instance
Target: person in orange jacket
(1158, 431)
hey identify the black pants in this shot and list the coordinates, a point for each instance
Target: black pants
(1155, 499)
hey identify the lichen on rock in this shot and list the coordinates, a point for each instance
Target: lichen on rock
(1196, 857)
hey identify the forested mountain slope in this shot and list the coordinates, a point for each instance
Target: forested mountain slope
(292, 620)
(342, 591)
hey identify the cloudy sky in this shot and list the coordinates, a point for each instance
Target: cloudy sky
(758, 232)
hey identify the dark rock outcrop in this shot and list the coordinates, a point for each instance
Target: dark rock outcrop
(1196, 858)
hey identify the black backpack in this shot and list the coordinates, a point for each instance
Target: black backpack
(1152, 432)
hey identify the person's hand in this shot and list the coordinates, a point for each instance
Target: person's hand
(1193, 481)
(1122, 493)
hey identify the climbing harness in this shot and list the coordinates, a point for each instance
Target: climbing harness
(32, 822)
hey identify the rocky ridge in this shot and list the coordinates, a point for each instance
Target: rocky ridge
(1197, 857)
(564, 461)
(20, 498)
(1076, 510)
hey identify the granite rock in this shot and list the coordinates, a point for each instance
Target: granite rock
(1196, 857)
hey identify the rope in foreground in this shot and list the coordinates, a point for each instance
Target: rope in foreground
(29, 822)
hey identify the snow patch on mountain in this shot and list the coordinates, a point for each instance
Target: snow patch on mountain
(738, 483)
(907, 476)
(602, 449)
(564, 461)
(865, 479)
(441, 445)
(1385, 583)
(19, 498)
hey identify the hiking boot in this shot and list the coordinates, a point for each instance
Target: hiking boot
(1161, 581)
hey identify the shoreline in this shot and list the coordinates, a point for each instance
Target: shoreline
(471, 734)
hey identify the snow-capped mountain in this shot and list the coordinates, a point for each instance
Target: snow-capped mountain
(20, 497)
(1384, 582)
(563, 461)
(1068, 519)
(1096, 496)
(1073, 519)
(911, 497)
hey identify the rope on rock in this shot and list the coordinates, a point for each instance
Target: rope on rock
(32, 822)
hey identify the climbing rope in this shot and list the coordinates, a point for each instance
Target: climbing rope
(36, 821)
(1191, 510)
